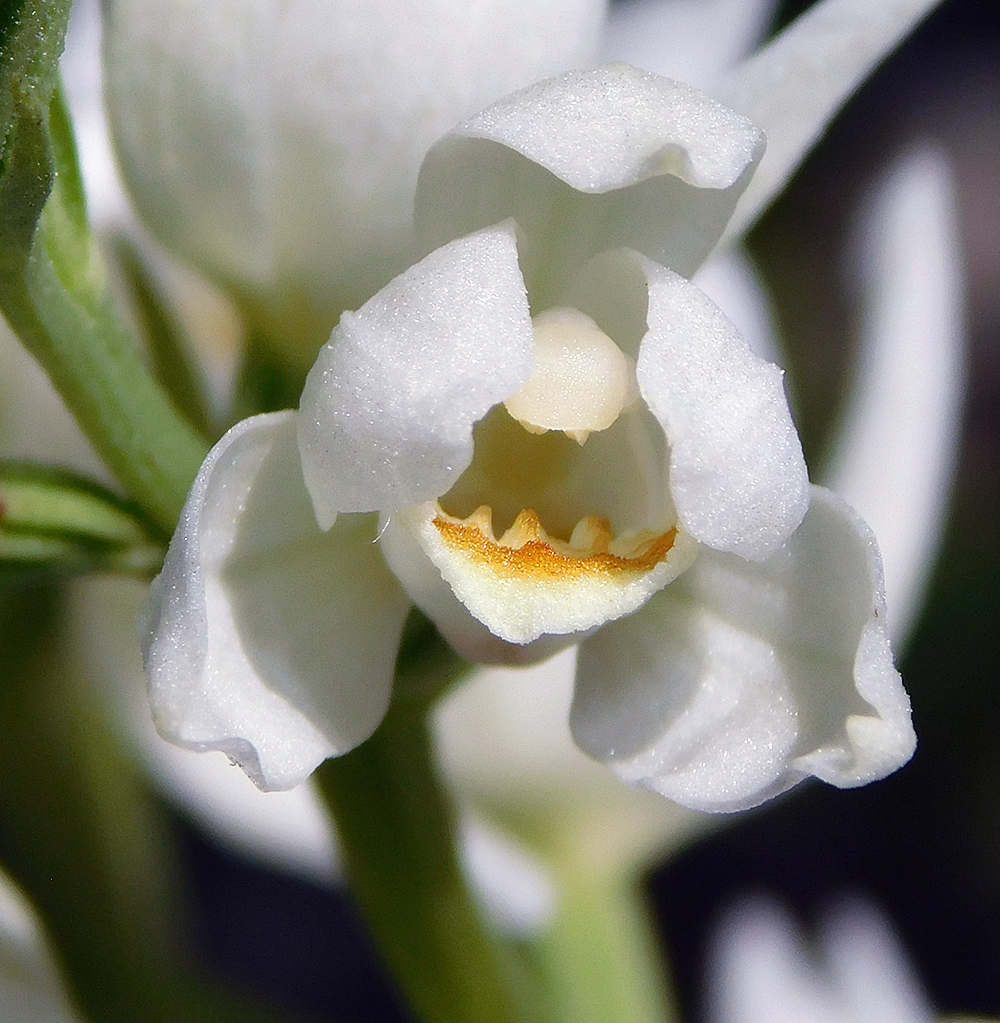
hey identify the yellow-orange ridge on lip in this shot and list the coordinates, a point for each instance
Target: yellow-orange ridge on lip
(526, 549)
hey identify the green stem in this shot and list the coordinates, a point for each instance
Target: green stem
(396, 826)
(87, 841)
(54, 294)
(600, 957)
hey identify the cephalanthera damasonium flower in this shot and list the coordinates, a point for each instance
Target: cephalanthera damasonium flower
(565, 442)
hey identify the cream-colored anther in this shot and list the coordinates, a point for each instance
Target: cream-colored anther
(580, 382)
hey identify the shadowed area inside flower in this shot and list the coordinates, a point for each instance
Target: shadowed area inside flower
(587, 531)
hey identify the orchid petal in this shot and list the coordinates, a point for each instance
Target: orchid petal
(277, 145)
(741, 679)
(895, 458)
(795, 85)
(737, 475)
(694, 41)
(255, 643)
(388, 408)
(588, 161)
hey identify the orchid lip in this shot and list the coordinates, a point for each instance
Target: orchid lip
(526, 548)
(528, 584)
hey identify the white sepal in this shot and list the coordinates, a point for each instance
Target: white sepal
(795, 85)
(258, 639)
(624, 157)
(741, 678)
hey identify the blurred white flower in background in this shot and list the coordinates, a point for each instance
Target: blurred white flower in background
(31, 990)
(762, 969)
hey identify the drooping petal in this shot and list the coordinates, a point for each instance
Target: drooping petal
(589, 161)
(694, 41)
(895, 457)
(794, 86)
(387, 411)
(737, 475)
(266, 638)
(741, 679)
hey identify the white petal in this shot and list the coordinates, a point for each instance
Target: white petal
(264, 637)
(795, 85)
(693, 41)
(388, 408)
(740, 679)
(737, 474)
(895, 456)
(590, 161)
(277, 144)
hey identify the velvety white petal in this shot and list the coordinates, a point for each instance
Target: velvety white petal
(265, 637)
(589, 161)
(277, 144)
(387, 411)
(693, 41)
(737, 475)
(894, 459)
(399, 538)
(794, 86)
(740, 679)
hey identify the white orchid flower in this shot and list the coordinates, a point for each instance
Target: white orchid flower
(766, 662)
(276, 146)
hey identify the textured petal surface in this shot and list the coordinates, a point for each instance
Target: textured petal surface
(277, 144)
(895, 456)
(737, 475)
(388, 408)
(741, 679)
(794, 86)
(264, 637)
(589, 161)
